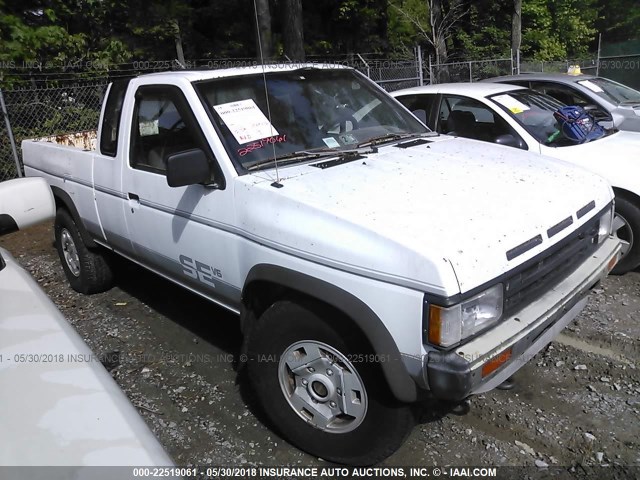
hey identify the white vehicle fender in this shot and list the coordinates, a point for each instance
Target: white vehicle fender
(24, 202)
(395, 372)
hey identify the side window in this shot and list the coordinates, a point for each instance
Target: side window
(569, 96)
(420, 105)
(163, 124)
(111, 120)
(470, 118)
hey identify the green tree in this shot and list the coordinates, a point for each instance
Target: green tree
(619, 20)
(30, 33)
(558, 29)
(485, 30)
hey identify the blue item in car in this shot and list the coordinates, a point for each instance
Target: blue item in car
(577, 125)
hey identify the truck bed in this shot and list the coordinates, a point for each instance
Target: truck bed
(67, 162)
(85, 140)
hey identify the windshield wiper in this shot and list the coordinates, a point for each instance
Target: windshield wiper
(390, 137)
(305, 155)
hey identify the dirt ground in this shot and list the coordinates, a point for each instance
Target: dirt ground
(576, 404)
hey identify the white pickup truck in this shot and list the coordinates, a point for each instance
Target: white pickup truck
(372, 262)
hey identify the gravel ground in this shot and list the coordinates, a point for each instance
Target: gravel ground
(576, 404)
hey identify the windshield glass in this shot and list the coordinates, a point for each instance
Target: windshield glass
(534, 111)
(305, 109)
(614, 92)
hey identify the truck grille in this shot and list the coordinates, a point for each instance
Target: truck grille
(539, 275)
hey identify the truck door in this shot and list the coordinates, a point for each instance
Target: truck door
(183, 233)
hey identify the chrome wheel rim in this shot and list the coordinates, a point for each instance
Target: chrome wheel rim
(623, 231)
(322, 386)
(70, 252)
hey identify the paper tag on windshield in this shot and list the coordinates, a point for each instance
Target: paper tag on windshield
(511, 104)
(591, 86)
(245, 121)
(148, 128)
(331, 142)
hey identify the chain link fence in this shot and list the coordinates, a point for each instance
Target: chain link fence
(39, 112)
(589, 66)
(469, 71)
(9, 162)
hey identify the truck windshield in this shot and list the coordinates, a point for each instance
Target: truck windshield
(299, 111)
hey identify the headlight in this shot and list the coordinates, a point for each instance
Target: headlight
(606, 225)
(448, 326)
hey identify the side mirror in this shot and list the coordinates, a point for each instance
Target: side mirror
(25, 202)
(188, 168)
(510, 140)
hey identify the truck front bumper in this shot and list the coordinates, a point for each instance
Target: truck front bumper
(489, 359)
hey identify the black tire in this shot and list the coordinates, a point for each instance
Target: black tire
(88, 271)
(380, 431)
(629, 232)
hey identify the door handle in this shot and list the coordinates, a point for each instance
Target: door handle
(134, 201)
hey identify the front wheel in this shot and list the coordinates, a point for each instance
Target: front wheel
(314, 383)
(626, 225)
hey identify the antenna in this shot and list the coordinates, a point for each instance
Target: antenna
(266, 94)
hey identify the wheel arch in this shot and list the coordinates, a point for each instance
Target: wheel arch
(628, 194)
(63, 200)
(266, 283)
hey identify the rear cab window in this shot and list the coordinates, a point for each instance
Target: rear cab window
(111, 118)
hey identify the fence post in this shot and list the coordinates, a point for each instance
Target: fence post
(5, 114)
(598, 59)
(419, 65)
(431, 72)
(470, 73)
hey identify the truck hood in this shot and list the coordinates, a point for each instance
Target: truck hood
(437, 217)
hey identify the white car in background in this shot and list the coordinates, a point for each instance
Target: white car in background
(60, 407)
(522, 118)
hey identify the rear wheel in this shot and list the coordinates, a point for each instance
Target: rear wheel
(318, 384)
(626, 225)
(86, 269)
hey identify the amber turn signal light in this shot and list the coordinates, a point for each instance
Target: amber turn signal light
(496, 362)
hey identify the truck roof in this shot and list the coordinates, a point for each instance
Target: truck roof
(196, 75)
